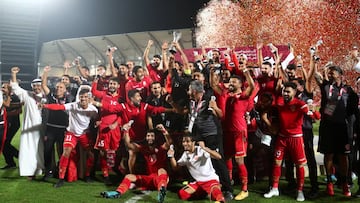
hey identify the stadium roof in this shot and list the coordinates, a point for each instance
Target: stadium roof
(130, 46)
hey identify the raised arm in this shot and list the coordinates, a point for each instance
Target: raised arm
(81, 70)
(165, 61)
(214, 82)
(44, 78)
(168, 140)
(182, 54)
(146, 52)
(250, 81)
(109, 54)
(66, 67)
(259, 47)
(14, 72)
(128, 143)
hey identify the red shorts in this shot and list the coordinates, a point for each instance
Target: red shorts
(146, 182)
(108, 139)
(292, 147)
(202, 188)
(235, 143)
(71, 140)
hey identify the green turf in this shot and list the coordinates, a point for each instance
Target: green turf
(18, 189)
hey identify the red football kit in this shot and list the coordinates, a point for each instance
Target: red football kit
(108, 139)
(156, 159)
(290, 136)
(143, 86)
(234, 125)
(137, 114)
(154, 74)
(103, 83)
(290, 140)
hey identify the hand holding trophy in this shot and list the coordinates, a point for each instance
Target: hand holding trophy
(177, 36)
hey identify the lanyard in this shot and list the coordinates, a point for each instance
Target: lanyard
(331, 89)
(195, 111)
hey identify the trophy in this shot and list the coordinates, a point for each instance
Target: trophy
(177, 36)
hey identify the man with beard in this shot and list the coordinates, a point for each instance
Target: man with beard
(236, 102)
(80, 115)
(57, 121)
(291, 112)
(338, 107)
(122, 72)
(109, 136)
(155, 99)
(31, 148)
(267, 80)
(156, 176)
(155, 68)
(140, 82)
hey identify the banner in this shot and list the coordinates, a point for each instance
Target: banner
(249, 51)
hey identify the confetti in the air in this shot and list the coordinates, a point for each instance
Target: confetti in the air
(226, 23)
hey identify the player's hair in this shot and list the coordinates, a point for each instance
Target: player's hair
(291, 85)
(197, 86)
(116, 79)
(132, 93)
(84, 91)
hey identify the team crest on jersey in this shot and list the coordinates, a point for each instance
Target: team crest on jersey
(153, 158)
(277, 154)
(292, 108)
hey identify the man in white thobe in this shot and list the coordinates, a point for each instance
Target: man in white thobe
(31, 148)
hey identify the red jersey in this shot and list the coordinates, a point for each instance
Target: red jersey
(122, 90)
(291, 116)
(143, 86)
(235, 108)
(154, 74)
(106, 116)
(138, 114)
(155, 158)
(103, 83)
(267, 84)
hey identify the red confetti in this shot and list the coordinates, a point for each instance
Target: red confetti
(225, 23)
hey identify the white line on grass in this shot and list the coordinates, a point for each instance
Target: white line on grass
(138, 197)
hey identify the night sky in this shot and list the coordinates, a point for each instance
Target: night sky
(63, 19)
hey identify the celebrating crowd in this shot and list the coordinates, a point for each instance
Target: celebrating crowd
(144, 123)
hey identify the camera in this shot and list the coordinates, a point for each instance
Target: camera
(109, 48)
(316, 58)
(312, 50)
(217, 66)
